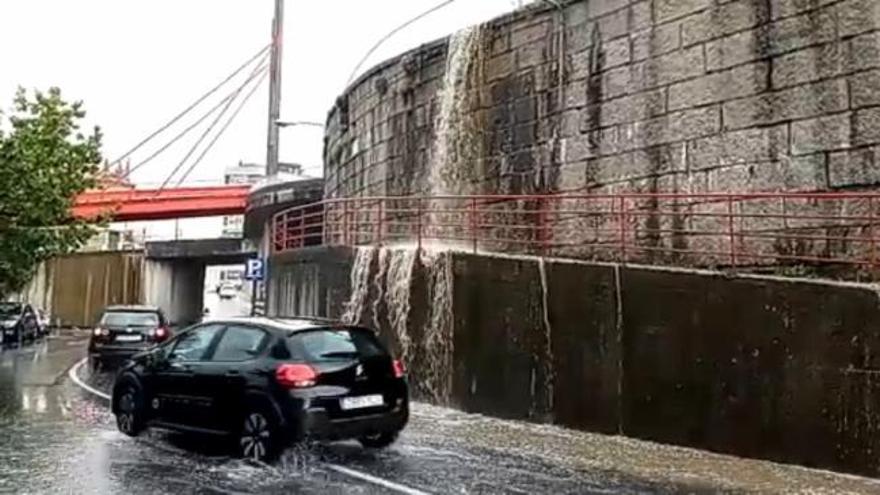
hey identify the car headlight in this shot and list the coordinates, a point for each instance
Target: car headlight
(9, 323)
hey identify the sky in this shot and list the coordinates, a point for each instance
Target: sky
(135, 64)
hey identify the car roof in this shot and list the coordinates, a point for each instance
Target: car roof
(288, 325)
(141, 308)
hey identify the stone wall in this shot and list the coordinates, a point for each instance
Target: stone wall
(754, 366)
(690, 96)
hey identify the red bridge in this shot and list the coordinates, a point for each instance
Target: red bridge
(129, 204)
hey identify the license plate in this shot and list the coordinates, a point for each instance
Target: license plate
(128, 338)
(361, 402)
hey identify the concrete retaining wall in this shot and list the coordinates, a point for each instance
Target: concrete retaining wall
(754, 366)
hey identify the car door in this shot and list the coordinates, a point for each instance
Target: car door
(234, 364)
(178, 396)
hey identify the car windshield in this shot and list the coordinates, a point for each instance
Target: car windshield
(130, 319)
(10, 310)
(326, 344)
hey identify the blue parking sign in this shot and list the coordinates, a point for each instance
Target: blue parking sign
(255, 269)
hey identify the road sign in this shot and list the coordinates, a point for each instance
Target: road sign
(255, 269)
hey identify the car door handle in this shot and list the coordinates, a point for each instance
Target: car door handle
(233, 373)
(181, 367)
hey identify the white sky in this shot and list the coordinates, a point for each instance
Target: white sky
(137, 63)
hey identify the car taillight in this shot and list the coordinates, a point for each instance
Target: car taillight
(296, 375)
(160, 334)
(399, 370)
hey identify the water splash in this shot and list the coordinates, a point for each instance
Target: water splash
(547, 358)
(360, 285)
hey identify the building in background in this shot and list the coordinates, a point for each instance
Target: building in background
(243, 173)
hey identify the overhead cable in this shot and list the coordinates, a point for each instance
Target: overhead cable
(217, 118)
(392, 33)
(234, 93)
(225, 126)
(192, 105)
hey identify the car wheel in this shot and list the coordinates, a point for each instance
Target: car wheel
(130, 410)
(378, 440)
(258, 439)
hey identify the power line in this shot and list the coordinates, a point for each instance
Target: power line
(192, 126)
(210, 128)
(393, 32)
(225, 126)
(191, 106)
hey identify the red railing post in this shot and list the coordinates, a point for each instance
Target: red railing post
(419, 223)
(622, 219)
(473, 220)
(381, 222)
(346, 239)
(871, 219)
(730, 230)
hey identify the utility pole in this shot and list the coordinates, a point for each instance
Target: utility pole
(275, 89)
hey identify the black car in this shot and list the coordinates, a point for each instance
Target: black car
(265, 383)
(124, 331)
(18, 322)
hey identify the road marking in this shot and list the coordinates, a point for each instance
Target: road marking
(375, 480)
(74, 376)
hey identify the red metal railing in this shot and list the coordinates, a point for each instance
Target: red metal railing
(718, 230)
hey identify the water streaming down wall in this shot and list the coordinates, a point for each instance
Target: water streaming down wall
(360, 286)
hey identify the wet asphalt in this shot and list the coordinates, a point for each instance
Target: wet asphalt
(57, 438)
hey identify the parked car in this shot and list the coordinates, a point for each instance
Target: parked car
(266, 383)
(227, 291)
(19, 322)
(124, 331)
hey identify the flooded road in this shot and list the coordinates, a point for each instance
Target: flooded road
(55, 437)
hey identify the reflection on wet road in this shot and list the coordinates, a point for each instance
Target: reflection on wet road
(57, 438)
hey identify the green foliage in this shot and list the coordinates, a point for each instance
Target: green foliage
(45, 162)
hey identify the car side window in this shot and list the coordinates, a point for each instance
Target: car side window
(193, 344)
(240, 343)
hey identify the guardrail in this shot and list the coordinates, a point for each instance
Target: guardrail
(717, 230)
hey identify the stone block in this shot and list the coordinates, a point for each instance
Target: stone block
(826, 133)
(575, 149)
(617, 82)
(632, 108)
(638, 164)
(722, 20)
(575, 94)
(678, 126)
(867, 126)
(744, 80)
(656, 41)
(579, 64)
(811, 28)
(865, 89)
(576, 13)
(809, 64)
(614, 25)
(570, 123)
(535, 33)
(614, 53)
(857, 16)
(799, 102)
(667, 10)
(787, 8)
(863, 52)
(670, 68)
(531, 55)
(858, 167)
(739, 147)
(597, 8)
(500, 66)
(640, 15)
(805, 173)
(579, 37)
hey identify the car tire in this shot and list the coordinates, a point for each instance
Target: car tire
(259, 436)
(129, 409)
(379, 440)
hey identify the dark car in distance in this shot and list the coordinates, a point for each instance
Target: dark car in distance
(266, 383)
(18, 323)
(124, 331)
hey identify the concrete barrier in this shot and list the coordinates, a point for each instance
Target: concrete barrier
(773, 368)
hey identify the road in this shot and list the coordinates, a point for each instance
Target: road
(56, 437)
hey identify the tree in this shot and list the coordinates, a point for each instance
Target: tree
(45, 162)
